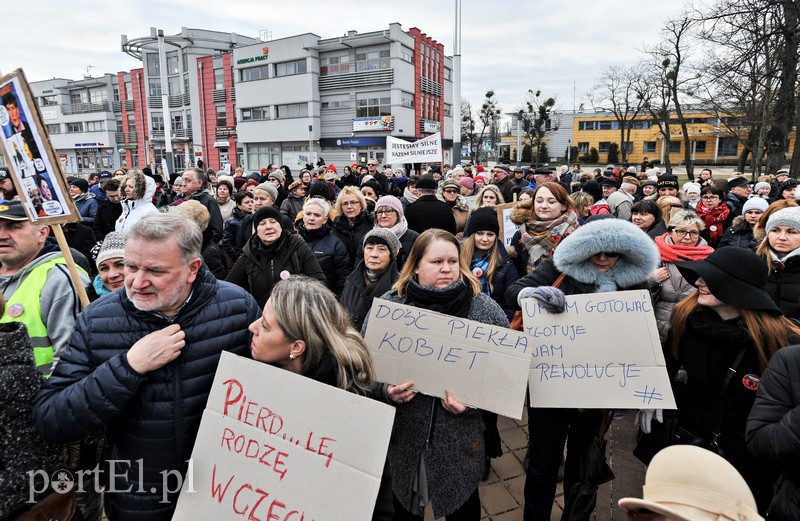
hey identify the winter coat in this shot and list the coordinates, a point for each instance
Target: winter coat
(81, 237)
(451, 444)
(215, 223)
(139, 205)
(773, 428)
(429, 212)
(331, 254)
(258, 269)
(21, 448)
(352, 235)
(87, 207)
(460, 213)
(506, 188)
(783, 284)
(505, 275)
(246, 230)
(406, 243)
(153, 416)
(106, 219)
(357, 299)
(738, 234)
(659, 228)
(230, 232)
(735, 204)
(292, 206)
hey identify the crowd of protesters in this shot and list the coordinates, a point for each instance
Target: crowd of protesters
(720, 258)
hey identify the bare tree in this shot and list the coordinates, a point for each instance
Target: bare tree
(616, 90)
(467, 126)
(534, 117)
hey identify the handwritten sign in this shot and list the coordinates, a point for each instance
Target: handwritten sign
(507, 227)
(276, 445)
(484, 366)
(602, 352)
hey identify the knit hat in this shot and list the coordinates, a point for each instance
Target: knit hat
(320, 189)
(383, 236)
(467, 183)
(113, 248)
(755, 203)
(427, 182)
(331, 167)
(178, 181)
(483, 219)
(479, 176)
(761, 185)
(264, 170)
(691, 188)
(733, 182)
(270, 189)
(266, 212)
(322, 203)
(277, 174)
(789, 217)
(392, 202)
(667, 181)
(81, 183)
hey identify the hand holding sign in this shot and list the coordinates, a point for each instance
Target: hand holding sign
(401, 393)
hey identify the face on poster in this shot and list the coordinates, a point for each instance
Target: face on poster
(23, 144)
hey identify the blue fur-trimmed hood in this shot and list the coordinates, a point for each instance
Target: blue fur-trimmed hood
(639, 255)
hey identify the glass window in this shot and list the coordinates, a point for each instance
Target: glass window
(173, 63)
(177, 121)
(334, 65)
(153, 67)
(76, 97)
(95, 126)
(128, 91)
(700, 147)
(373, 106)
(157, 122)
(406, 54)
(255, 73)
(48, 101)
(219, 79)
(74, 127)
(174, 85)
(120, 128)
(221, 119)
(406, 99)
(674, 146)
(257, 156)
(54, 129)
(728, 146)
(649, 147)
(115, 92)
(294, 110)
(372, 61)
(255, 114)
(185, 59)
(583, 147)
(154, 87)
(603, 146)
(290, 68)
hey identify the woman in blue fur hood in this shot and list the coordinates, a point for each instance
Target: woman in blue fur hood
(606, 254)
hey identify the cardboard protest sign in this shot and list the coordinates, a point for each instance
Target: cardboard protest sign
(484, 366)
(507, 228)
(602, 352)
(276, 445)
(37, 173)
(426, 150)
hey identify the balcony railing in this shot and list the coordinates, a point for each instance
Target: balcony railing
(218, 95)
(128, 104)
(177, 135)
(83, 108)
(357, 79)
(116, 106)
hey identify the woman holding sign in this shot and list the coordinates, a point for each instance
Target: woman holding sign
(603, 255)
(437, 449)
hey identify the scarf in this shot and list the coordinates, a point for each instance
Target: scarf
(454, 300)
(714, 219)
(409, 196)
(478, 267)
(671, 252)
(398, 229)
(99, 288)
(540, 238)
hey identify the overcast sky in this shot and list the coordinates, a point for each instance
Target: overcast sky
(507, 46)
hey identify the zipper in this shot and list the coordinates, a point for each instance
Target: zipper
(431, 423)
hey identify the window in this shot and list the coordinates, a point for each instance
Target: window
(728, 146)
(700, 147)
(157, 122)
(185, 59)
(448, 110)
(221, 119)
(186, 85)
(120, 128)
(334, 65)
(154, 87)
(295, 110)
(48, 101)
(366, 107)
(583, 147)
(372, 61)
(406, 99)
(115, 92)
(255, 114)
(95, 126)
(649, 147)
(219, 79)
(98, 95)
(406, 54)
(338, 104)
(255, 73)
(173, 63)
(603, 146)
(290, 68)
(640, 125)
(189, 122)
(153, 67)
(74, 127)
(598, 125)
(128, 91)
(76, 97)
(629, 147)
(131, 126)
(674, 146)
(177, 122)
(54, 129)
(174, 85)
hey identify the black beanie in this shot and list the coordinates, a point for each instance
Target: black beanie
(320, 189)
(266, 212)
(593, 188)
(482, 219)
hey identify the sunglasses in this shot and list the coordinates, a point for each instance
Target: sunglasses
(608, 254)
(450, 191)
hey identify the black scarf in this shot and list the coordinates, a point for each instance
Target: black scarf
(271, 250)
(454, 300)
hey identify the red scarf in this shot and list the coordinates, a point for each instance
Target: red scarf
(714, 219)
(671, 252)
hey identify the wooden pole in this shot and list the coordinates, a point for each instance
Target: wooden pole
(73, 270)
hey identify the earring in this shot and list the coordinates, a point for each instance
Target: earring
(291, 356)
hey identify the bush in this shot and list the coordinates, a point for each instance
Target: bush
(544, 154)
(527, 154)
(573, 154)
(594, 156)
(613, 153)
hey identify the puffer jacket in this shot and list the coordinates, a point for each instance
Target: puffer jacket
(738, 234)
(291, 206)
(331, 255)
(773, 430)
(87, 206)
(231, 231)
(258, 269)
(352, 235)
(154, 416)
(783, 284)
(140, 205)
(505, 275)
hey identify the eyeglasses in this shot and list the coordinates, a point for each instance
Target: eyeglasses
(683, 233)
(372, 164)
(450, 191)
(710, 197)
(351, 203)
(608, 254)
(384, 211)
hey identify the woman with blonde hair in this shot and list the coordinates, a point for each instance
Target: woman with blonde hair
(353, 221)
(780, 249)
(437, 452)
(489, 195)
(669, 206)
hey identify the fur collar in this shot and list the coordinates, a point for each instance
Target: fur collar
(522, 212)
(639, 255)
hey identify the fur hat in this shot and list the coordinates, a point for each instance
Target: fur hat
(755, 203)
(320, 188)
(392, 202)
(383, 236)
(482, 219)
(270, 189)
(638, 254)
(789, 217)
(113, 247)
(735, 276)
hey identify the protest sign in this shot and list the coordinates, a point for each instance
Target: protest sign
(426, 150)
(507, 228)
(484, 366)
(602, 352)
(36, 171)
(276, 445)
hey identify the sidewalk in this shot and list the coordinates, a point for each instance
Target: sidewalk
(502, 494)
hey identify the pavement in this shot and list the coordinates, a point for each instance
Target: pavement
(502, 496)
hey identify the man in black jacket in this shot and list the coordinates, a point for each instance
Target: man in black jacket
(195, 182)
(109, 210)
(140, 365)
(429, 212)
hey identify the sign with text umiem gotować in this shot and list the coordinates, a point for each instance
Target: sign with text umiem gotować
(602, 352)
(276, 445)
(484, 366)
